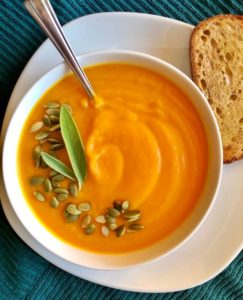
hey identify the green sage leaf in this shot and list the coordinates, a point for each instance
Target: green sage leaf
(73, 143)
(57, 165)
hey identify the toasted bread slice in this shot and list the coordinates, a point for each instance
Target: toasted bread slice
(216, 53)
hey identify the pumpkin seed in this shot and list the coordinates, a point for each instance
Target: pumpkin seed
(112, 226)
(86, 220)
(84, 206)
(42, 135)
(36, 126)
(54, 202)
(36, 180)
(56, 184)
(70, 218)
(60, 191)
(131, 214)
(36, 152)
(53, 173)
(135, 227)
(72, 209)
(61, 197)
(120, 230)
(110, 219)
(117, 204)
(53, 112)
(58, 177)
(53, 141)
(54, 119)
(105, 230)
(133, 219)
(47, 185)
(55, 128)
(130, 230)
(43, 141)
(73, 190)
(100, 219)
(125, 204)
(52, 105)
(43, 165)
(46, 120)
(89, 229)
(56, 146)
(113, 212)
(37, 163)
(39, 196)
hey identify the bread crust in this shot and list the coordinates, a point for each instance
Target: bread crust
(236, 151)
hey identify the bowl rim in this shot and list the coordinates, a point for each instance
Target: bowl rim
(160, 63)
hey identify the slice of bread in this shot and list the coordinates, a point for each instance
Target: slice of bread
(216, 53)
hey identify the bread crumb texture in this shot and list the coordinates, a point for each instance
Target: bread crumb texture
(216, 52)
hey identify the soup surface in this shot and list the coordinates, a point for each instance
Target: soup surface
(145, 143)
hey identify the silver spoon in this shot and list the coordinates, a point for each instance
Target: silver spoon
(43, 13)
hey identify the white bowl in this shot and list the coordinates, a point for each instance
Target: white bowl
(107, 261)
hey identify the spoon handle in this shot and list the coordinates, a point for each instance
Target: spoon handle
(43, 13)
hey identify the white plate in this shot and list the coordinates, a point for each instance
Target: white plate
(220, 238)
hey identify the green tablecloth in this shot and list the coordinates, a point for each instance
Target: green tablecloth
(23, 273)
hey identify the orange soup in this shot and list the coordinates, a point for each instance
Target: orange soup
(144, 143)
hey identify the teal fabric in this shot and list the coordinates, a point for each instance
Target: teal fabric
(23, 273)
